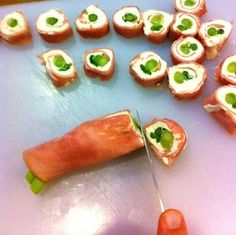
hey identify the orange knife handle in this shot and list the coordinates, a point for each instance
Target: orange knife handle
(171, 222)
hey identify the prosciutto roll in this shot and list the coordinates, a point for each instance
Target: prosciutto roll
(196, 7)
(92, 23)
(59, 66)
(187, 49)
(213, 35)
(167, 139)
(222, 106)
(184, 24)
(128, 22)
(99, 63)
(53, 26)
(156, 25)
(226, 71)
(14, 29)
(148, 68)
(90, 144)
(186, 80)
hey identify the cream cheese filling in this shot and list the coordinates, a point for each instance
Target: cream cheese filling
(118, 17)
(167, 20)
(219, 38)
(142, 59)
(189, 86)
(83, 22)
(59, 26)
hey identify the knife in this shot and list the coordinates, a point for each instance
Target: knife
(171, 221)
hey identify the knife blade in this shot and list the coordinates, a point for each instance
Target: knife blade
(153, 172)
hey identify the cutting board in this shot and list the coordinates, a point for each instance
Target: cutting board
(117, 198)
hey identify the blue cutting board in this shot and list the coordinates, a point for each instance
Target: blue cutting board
(117, 198)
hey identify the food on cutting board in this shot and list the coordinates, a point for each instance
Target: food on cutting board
(128, 22)
(156, 25)
(187, 49)
(148, 68)
(196, 7)
(171, 222)
(222, 106)
(213, 35)
(59, 66)
(167, 139)
(53, 26)
(184, 24)
(15, 29)
(92, 23)
(99, 63)
(186, 80)
(226, 71)
(90, 144)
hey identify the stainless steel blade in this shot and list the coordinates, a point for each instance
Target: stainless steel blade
(151, 165)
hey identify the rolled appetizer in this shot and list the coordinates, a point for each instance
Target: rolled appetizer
(128, 22)
(90, 144)
(196, 7)
(167, 139)
(213, 35)
(59, 66)
(222, 106)
(148, 68)
(226, 71)
(184, 24)
(92, 23)
(53, 26)
(99, 63)
(186, 80)
(187, 49)
(14, 29)
(156, 25)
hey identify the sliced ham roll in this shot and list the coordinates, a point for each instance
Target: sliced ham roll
(187, 49)
(213, 35)
(59, 66)
(14, 29)
(167, 139)
(186, 80)
(222, 105)
(148, 68)
(92, 23)
(196, 7)
(99, 63)
(226, 71)
(128, 22)
(156, 25)
(53, 26)
(90, 144)
(184, 24)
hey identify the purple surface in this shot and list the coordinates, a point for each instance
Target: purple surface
(117, 198)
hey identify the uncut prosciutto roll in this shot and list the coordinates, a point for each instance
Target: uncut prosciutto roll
(186, 80)
(226, 71)
(14, 29)
(213, 35)
(53, 26)
(184, 24)
(90, 144)
(222, 105)
(196, 7)
(187, 49)
(128, 22)
(92, 23)
(148, 68)
(167, 139)
(59, 66)
(99, 63)
(156, 25)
